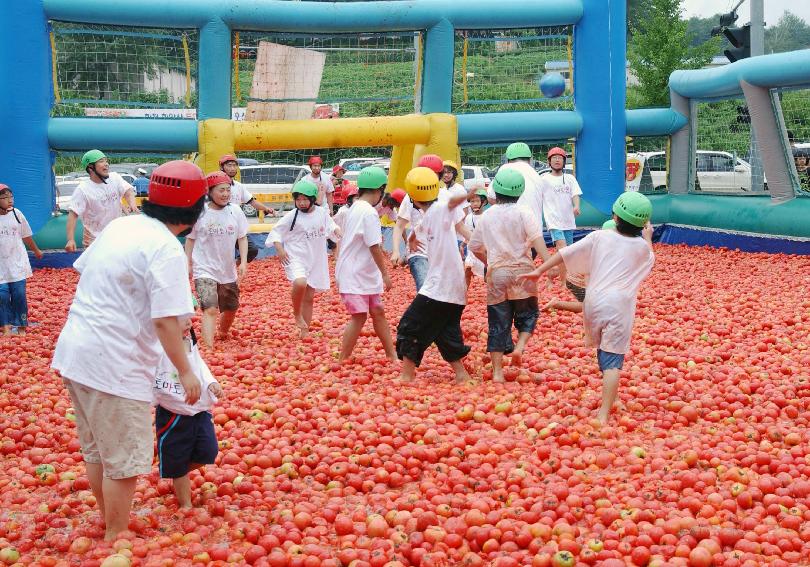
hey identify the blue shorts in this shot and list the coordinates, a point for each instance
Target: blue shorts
(183, 440)
(419, 269)
(609, 360)
(500, 316)
(557, 235)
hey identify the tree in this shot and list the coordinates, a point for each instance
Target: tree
(790, 33)
(660, 44)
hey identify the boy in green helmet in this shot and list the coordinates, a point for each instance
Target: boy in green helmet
(478, 204)
(500, 241)
(616, 262)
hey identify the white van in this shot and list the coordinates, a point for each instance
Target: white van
(717, 171)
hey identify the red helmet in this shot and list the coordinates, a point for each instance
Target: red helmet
(431, 161)
(4, 188)
(398, 195)
(226, 158)
(217, 178)
(313, 160)
(350, 189)
(338, 168)
(177, 184)
(557, 152)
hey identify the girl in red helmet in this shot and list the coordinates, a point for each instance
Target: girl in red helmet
(210, 245)
(322, 181)
(131, 301)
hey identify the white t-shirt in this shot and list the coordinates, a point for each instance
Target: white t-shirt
(169, 393)
(324, 183)
(99, 203)
(414, 216)
(532, 196)
(305, 245)
(505, 232)
(445, 278)
(355, 271)
(239, 194)
(14, 264)
(215, 236)
(471, 260)
(340, 216)
(134, 272)
(558, 207)
(615, 265)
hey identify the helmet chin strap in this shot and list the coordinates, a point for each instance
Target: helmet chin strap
(103, 179)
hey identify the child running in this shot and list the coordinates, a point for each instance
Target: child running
(350, 191)
(300, 240)
(360, 270)
(15, 268)
(616, 262)
(185, 432)
(500, 241)
(478, 204)
(576, 284)
(434, 316)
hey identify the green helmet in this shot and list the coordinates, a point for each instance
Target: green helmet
(481, 192)
(609, 225)
(633, 207)
(518, 150)
(306, 188)
(372, 177)
(509, 183)
(92, 157)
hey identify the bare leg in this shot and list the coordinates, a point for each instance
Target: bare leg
(21, 331)
(468, 276)
(306, 307)
(384, 333)
(560, 244)
(95, 474)
(299, 291)
(350, 334)
(610, 388)
(408, 370)
(182, 489)
(461, 373)
(517, 354)
(209, 325)
(225, 321)
(6, 329)
(117, 504)
(497, 366)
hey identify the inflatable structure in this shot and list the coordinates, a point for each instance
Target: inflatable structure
(598, 123)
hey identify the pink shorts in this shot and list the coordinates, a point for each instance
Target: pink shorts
(361, 303)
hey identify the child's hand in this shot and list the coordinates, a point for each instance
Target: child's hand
(191, 384)
(38, 253)
(282, 256)
(395, 260)
(647, 232)
(387, 282)
(533, 275)
(215, 389)
(242, 272)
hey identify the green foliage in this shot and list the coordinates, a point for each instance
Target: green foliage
(659, 46)
(790, 33)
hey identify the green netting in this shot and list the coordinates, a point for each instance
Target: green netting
(492, 157)
(106, 67)
(795, 110)
(499, 70)
(363, 74)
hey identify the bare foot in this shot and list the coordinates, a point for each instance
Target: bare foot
(497, 376)
(603, 418)
(550, 305)
(517, 357)
(405, 377)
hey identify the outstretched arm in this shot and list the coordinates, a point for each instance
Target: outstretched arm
(552, 262)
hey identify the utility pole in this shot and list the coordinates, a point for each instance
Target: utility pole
(757, 48)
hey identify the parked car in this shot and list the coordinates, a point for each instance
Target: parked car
(350, 164)
(271, 179)
(131, 169)
(717, 171)
(475, 175)
(246, 161)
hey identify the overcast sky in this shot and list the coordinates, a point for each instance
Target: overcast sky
(773, 9)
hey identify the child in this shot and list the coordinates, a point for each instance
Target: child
(15, 235)
(185, 432)
(350, 191)
(561, 205)
(360, 269)
(500, 241)
(434, 316)
(209, 247)
(472, 265)
(388, 210)
(300, 241)
(127, 311)
(576, 284)
(616, 262)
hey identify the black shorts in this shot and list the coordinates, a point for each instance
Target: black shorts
(576, 291)
(182, 440)
(428, 321)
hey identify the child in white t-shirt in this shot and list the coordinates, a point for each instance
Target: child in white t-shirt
(185, 434)
(616, 262)
(300, 242)
(360, 270)
(502, 240)
(576, 284)
(478, 204)
(561, 206)
(209, 247)
(434, 316)
(350, 191)
(15, 235)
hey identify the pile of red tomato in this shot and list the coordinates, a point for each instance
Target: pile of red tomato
(705, 462)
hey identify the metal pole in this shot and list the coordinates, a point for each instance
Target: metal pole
(757, 48)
